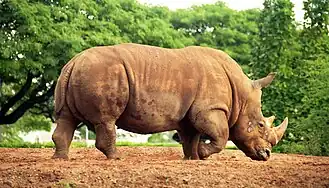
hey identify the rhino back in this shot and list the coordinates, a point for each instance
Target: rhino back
(164, 84)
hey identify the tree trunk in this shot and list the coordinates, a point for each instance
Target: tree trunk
(1, 132)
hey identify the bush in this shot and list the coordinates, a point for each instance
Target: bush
(290, 147)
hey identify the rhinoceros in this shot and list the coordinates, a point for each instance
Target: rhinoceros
(146, 89)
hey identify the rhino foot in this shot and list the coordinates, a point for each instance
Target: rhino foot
(60, 156)
(203, 151)
(191, 158)
(113, 157)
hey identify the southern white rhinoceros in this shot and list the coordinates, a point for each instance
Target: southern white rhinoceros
(144, 89)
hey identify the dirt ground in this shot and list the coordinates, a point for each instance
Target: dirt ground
(158, 167)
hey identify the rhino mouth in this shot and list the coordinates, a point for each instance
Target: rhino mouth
(260, 154)
(263, 154)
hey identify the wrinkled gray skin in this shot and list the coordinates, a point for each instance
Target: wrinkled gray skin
(144, 89)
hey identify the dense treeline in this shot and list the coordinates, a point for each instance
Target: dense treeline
(38, 37)
(299, 53)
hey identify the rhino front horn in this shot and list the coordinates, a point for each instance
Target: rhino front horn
(279, 130)
(264, 82)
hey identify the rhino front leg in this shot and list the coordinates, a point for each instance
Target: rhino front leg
(214, 124)
(190, 142)
(63, 134)
(105, 139)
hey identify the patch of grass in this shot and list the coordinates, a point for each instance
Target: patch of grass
(65, 184)
(78, 145)
(231, 147)
(84, 145)
(171, 144)
(148, 144)
(26, 145)
(38, 145)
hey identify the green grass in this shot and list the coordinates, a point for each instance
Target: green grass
(231, 147)
(148, 144)
(65, 184)
(37, 145)
(78, 144)
(84, 145)
(25, 145)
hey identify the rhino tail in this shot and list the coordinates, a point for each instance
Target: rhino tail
(61, 87)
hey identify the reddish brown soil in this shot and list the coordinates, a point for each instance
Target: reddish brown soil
(158, 167)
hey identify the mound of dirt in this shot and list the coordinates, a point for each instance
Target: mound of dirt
(158, 167)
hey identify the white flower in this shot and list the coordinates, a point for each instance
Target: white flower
(90, 17)
(20, 56)
(34, 80)
(13, 32)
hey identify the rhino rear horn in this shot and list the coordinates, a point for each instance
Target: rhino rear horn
(269, 121)
(264, 82)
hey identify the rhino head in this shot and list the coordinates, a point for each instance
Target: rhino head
(253, 133)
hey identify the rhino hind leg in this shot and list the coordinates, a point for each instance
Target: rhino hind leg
(105, 139)
(213, 124)
(63, 134)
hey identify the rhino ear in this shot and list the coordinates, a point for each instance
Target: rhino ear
(263, 82)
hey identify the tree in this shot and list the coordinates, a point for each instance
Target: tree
(217, 26)
(277, 51)
(40, 36)
(315, 34)
(30, 54)
(315, 43)
(27, 123)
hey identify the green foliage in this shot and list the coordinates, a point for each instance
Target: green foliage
(32, 52)
(315, 103)
(290, 147)
(315, 49)
(277, 51)
(220, 27)
(301, 59)
(165, 137)
(91, 135)
(316, 99)
(39, 37)
(33, 122)
(10, 133)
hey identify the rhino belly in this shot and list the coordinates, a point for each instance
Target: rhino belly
(143, 124)
(152, 112)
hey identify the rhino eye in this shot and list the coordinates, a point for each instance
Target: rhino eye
(261, 124)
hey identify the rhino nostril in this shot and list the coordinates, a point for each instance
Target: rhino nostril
(268, 152)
